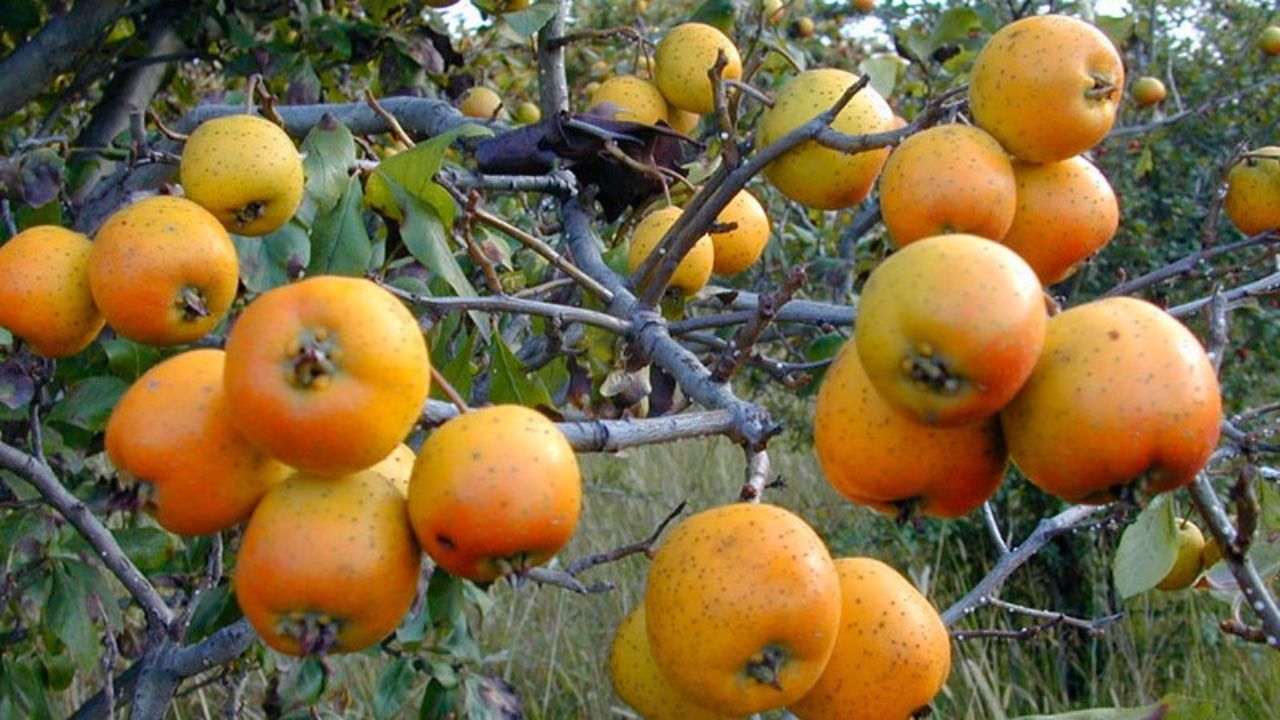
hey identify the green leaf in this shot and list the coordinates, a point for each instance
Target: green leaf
(956, 25)
(393, 688)
(149, 548)
(414, 171)
(379, 9)
(1148, 549)
(427, 239)
(1146, 163)
(884, 69)
(217, 609)
(529, 21)
(305, 682)
(446, 601)
(459, 370)
(330, 154)
(19, 17)
(66, 615)
(23, 690)
(88, 403)
(439, 702)
(1171, 707)
(509, 383)
(275, 259)
(128, 359)
(340, 244)
(59, 670)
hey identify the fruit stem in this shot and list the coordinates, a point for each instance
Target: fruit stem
(1102, 88)
(766, 668)
(313, 363)
(191, 301)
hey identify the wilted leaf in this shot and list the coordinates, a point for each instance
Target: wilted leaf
(1148, 549)
(16, 386)
(304, 86)
(41, 174)
(493, 697)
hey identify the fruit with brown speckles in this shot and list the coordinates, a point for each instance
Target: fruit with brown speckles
(1130, 383)
(44, 291)
(949, 328)
(1253, 191)
(1189, 561)
(172, 429)
(878, 457)
(245, 170)
(1148, 91)
(743, 607)
(739, 248)
(893, 653)
(682, 59)
(640, 684)
(328, 565)
(1047, 87)
(163, 271)
(328, 374)
(694, 270)
(813, 175)
(636, 99)
(1067, 211)
(397, 467)
(495, 491)
(947, 179)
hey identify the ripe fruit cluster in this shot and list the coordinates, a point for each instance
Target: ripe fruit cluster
(954, 358)
(745, 611)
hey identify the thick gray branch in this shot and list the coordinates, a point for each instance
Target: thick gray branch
(30, 69)
(553, 83)
(159, 615)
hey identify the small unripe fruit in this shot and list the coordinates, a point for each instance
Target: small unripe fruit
(1148, 91)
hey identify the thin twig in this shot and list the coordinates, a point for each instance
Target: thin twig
(511, 304)
(449, 390)
(747, 335)
(397, 131)
(993, 528)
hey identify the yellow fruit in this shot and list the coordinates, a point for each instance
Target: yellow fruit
(637, 99)
(480, 102)
(528, 113)
(1148, 91)
(1187, 567)
(1211, 553)
(772, 10)
(804, 27)
(948, 179)
(683, 58)
(397, 467)
(245, 170)
(1047, 87)
(1269, 40)
(682, 121)
(1067, 211)
(44, 291)
(1253, 191)
(639, 682)
(694, 270)
(893, 653)
(743, 607)
(738, 249)
(810, 174)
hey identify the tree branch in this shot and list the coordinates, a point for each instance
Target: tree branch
(508, 304)
(159, 615)
(553, 82)
(31, 69)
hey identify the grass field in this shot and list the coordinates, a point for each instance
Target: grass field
(553, 645)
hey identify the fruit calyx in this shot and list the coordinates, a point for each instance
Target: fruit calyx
(1103, 88)
(191, 302)
(765, 667)
(315, 633)
(314, 360)
(931, 372)
(249, 213)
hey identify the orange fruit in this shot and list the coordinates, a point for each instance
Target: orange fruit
(1253, 191)
(947, 179)
(44, 291)
(1067, 211)
(494, 491)
(893, 653)
(328, 374)
(172, 429)
(949, 327)
(739, 248)
(163, 271)
(640, 684)
(876, 456)
(694, 270)
(743, 607)
(1047, 87)
(1130, 383)
(327, 564)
